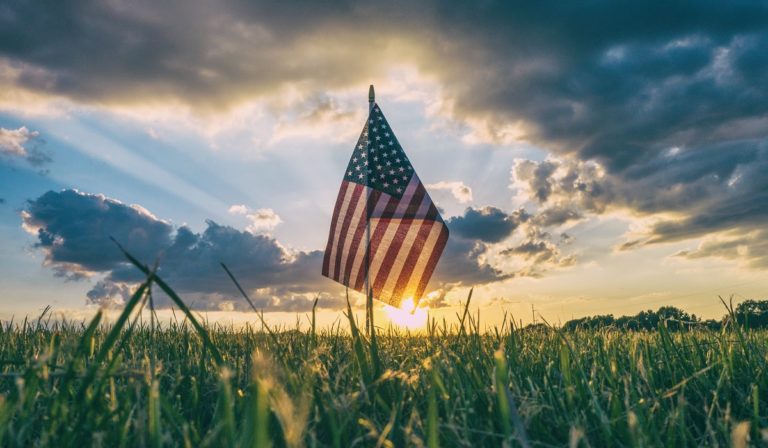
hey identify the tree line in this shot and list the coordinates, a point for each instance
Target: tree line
(750, 314)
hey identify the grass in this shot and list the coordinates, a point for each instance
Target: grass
(132, 383)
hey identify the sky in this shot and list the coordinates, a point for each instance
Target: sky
(588, 158)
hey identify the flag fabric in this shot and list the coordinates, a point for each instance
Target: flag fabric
(407, 235)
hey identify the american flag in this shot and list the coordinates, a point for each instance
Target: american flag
(407, 234)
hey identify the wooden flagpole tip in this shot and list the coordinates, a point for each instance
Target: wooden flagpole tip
(371, 94)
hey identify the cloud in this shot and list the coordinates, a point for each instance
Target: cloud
(718, 189)
(24, 144)
(646, 114)
(476, 236)
(750, 249)
(73, 231)
(263, 220)
(238, 210)
(461, 192)
(540, 253)
(12, 141)
(487, 224)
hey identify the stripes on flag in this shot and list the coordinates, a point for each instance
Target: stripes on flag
(406, 239)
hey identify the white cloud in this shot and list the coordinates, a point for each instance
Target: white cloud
(459, 190)
(263, 220)
(12, 141)
(238, 209)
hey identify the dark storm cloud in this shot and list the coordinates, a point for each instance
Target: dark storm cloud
(488, 224)
(618, 83)
(73, 231)
(711, 189)
(475, 232)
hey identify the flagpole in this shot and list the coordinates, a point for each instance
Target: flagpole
(368, 286)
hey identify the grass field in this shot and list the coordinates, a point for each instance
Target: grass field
(133, 383)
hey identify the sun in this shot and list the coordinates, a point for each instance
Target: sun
(407, 315)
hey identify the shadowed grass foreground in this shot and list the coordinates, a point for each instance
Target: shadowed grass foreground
(71, 384)
(187, 384)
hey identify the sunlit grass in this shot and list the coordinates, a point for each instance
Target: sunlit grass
(190, 384)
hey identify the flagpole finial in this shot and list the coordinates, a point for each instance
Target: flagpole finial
(371, 94)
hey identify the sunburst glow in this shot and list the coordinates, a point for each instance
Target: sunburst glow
(408, 315)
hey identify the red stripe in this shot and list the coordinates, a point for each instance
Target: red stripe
(376, 237)
(359, 236)
(334, 221)
(345, 229)
(432, 263)
(412, 258)
(394, 248)
(432, 212)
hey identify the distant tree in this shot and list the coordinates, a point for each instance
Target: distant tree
(752, 313)
(674, 318)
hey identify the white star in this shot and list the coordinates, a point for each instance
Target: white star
(394, 152)
(405, 177)
(386, 184)
(360, 146)
(354, 159)
(399, 190)
(378, 167)
(391, 143)
(349, 173)
(365, 163)
(389, 163)
(381, 176)
(395, 181)
(397, 160)
(378, 138)
(357, 167)
(375, 159)
(362, 155)
(391, 171)
(360, 175)
(401, 169)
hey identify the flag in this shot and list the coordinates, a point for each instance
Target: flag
(383, 203)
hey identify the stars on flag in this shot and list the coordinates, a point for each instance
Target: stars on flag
(389, 175)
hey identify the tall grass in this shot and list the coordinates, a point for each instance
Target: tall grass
(189, 384)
